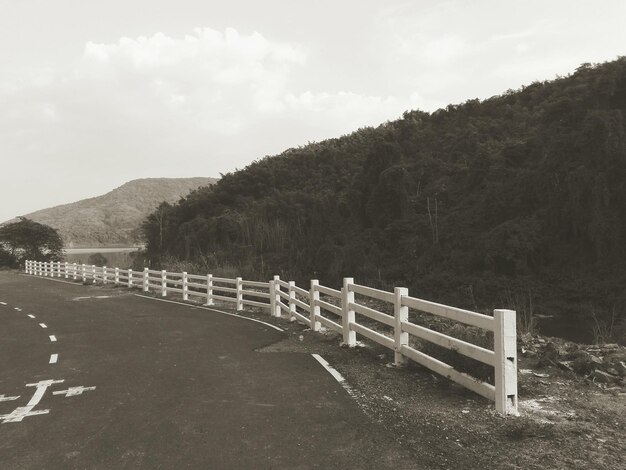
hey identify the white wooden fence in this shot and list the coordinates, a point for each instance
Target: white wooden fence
(337, 310)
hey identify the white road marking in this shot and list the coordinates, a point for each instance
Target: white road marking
(3, 398)
(342, 381)
(18, 414)
(74, 391)
(3, 303)
(31, 316)
(43, 325)
(54, 358)
(212, 310)
(53, 338)
(17, 308)
(338, 377)
(93, 297)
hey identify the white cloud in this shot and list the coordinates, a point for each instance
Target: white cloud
(199, 104)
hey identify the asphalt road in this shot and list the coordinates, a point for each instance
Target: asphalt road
(175, 387)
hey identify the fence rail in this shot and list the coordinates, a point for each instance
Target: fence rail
(393, 331)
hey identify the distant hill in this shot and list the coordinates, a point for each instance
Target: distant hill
(114, 218)
(515, 201)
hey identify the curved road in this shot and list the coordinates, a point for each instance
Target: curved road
(138, 383)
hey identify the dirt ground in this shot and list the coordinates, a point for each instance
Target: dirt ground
(565, 421)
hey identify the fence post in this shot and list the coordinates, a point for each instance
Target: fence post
(185, 286)
(163, 283)
(314, 296)
(130, 278)
(65, 269)
(239, 285)
(400, 314)
(74, 271)
(347, 315)
(146, 286)
(93, 273)
(117, 275)
(272, 286)
(505, 349)
(292, 305)
(209, 289)
(83, 273)
(277, 311)
(104, 274)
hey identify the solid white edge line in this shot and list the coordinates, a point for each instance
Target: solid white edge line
(53, 338)
(43, 325)
(338, 377)
(77, 283)
(212, 310)
(54, 358)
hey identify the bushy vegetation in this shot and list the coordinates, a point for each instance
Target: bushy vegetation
(522, 195)
(26, 239)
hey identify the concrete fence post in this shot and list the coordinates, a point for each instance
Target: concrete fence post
(66, 273)
(117, 276)
(130, 278)
(26, 267)
(163, 283)
(314, 297)
(45, 269)
(400, 314)
(292, 305)
(104, 274)
(347, 314)
(277, 300)
(74, 271)
(185, 286)
(239, 286)
(505, 349)
(146, 280)
(93, 273)
(83, 273)
(209, 289)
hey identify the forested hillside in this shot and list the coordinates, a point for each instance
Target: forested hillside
(114, 219)
(516, 200)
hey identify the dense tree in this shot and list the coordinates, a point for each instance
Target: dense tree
(26, 239)
(521, 191)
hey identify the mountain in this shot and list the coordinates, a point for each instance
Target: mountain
(114, 218)
(516, 201)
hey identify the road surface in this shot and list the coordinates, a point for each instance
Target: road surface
(102, 378)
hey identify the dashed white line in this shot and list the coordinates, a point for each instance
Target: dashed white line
(31, 316)
(53, 338)
(3, 303)
(17, 308)
(43, 325)
(54, 358)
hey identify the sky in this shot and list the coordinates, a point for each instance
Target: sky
(94, 94)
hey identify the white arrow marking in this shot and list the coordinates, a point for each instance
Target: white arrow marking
(3, 398)
(43, 325)
(22, 412)
(54, 358)
(74, 391)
